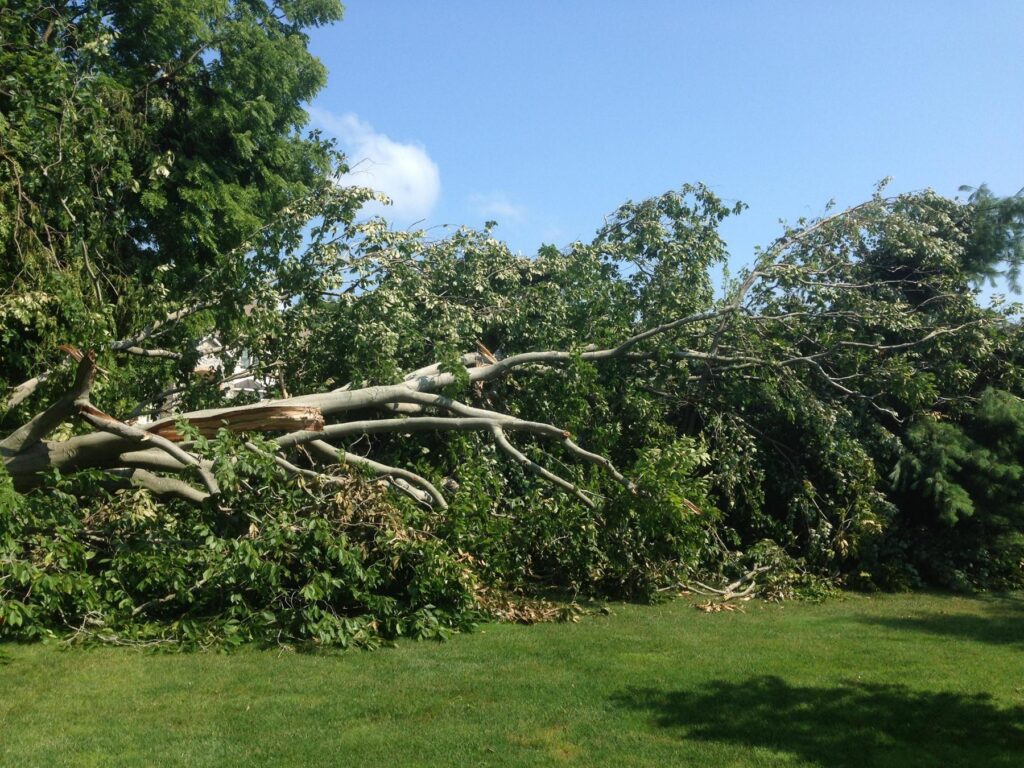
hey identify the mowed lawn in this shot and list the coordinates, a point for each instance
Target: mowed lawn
(899, 680)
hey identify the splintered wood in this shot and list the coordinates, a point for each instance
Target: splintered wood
(272, 418)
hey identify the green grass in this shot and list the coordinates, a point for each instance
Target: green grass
(905, 680)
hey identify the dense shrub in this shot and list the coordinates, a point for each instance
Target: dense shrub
(273, 561)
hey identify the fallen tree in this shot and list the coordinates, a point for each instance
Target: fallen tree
(323, 420)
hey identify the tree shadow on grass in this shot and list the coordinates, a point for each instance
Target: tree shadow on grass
(854, 724)
(1003, 624)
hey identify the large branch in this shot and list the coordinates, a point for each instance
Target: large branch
(44, 423)
(107, 424)
(161, 486)
(279, 416)
(426, 493)
(512, 422)
(421, 495)
(24, 390)
(528, 463)
(418, 424)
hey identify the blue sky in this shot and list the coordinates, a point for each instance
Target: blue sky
(547, 115)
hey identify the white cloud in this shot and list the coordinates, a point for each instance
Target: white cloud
(496, 206)
(403, 172)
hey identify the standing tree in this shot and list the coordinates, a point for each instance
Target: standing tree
(154, 180)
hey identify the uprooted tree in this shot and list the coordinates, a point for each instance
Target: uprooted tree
(427, 424)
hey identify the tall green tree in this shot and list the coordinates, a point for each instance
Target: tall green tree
(153, 160)
(995, 244)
